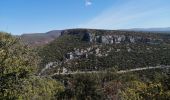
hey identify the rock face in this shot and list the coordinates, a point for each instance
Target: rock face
(90, 35)
(100, 45)
(76, 54)
(117, 39)
(107, 39)
(69, 55)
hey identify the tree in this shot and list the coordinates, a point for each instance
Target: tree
(82, 87)
(111, 90)
(148, 91)
(18, 66)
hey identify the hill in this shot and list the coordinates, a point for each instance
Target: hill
(37, 39)
(156, 30)
(86, 63)
(94, 50)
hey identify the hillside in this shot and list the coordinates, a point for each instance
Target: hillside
(94, 64)
(156, 30)
(94, 50)
(109, 65)
(37, 39)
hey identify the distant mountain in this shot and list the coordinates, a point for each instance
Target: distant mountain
(159, 30)
(36, 39)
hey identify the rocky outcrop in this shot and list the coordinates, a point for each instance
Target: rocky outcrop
(77, 53)
(117, 39)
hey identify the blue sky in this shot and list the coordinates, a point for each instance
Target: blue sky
(31, 16)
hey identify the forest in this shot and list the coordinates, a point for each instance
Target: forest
(26, 72)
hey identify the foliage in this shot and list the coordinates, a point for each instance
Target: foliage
(142, 85)
(57, 49)
(82, 87)
(18, 65)
(140, 54)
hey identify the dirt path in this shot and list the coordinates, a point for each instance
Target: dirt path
(118, 72)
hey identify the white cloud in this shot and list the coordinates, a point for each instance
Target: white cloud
(88, 3)
(129, 14)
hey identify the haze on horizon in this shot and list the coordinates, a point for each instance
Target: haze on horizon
(31, 16)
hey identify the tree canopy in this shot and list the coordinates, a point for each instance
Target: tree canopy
(18, 66)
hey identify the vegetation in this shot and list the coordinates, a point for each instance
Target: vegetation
(129, 86)
(18, 65)
(121, 56)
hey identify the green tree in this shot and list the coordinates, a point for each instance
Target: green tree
(137, 90)
(18, 66)
(82, 87)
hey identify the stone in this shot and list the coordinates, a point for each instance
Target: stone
(119, 38)
(64, 70)
(97, 50)
(118, 50)
(132, 39)
(129, 49)
(69, 55)
(88, 37)
(108, 39)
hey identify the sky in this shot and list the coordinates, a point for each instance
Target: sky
(37, 16)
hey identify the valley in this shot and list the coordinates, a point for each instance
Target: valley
(84, 50)
(90, 63)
